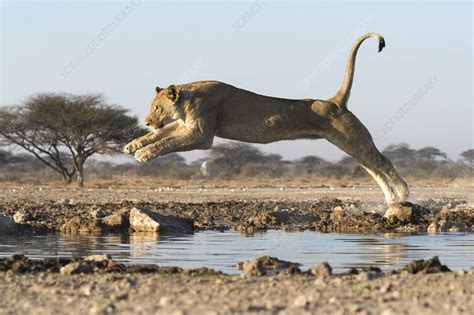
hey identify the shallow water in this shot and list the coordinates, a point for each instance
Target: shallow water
(222, 250)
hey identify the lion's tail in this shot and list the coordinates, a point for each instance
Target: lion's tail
(342, 95)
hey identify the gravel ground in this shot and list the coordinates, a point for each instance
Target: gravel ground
(45, 293)
(194, 194)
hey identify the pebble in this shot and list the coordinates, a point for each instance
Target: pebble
(320, 282)
(386, 288)
(165, 301)
(322, 270)
(368, 276)
(388, 312)
(300, 301)
(98, 258)
(22, 217)
(76, 267)
(253, 268)
(98, 213)
(64, 201)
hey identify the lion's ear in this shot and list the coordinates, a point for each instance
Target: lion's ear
(172, 93)
(158, 89)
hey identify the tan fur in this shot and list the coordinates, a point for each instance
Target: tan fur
(187, 117)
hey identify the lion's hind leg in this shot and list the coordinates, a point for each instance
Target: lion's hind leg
(397, 181)
(351, 136)
(381, 179)
(382, 170)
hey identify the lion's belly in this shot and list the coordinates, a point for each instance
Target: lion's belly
(253, 135)
(262, 132)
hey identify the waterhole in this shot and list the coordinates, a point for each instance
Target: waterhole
(222, 250)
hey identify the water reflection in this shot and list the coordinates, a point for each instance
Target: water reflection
(222, 250)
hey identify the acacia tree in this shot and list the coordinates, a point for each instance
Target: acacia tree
(228, 159)
(63, 130)
(432, 153)
(468, 156)
(5, 157)
(400, 152)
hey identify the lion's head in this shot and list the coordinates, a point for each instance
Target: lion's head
(164, 108)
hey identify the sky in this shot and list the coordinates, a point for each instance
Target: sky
(418, 90)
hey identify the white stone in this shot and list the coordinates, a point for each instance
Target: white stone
(98, 258)
(21, 217)
(143, 220)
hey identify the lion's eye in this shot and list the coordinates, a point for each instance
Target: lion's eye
(157, 109)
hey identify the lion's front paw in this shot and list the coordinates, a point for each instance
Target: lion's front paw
(144, 155)
(131, 147)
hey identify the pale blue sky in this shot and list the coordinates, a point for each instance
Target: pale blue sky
(284, 49)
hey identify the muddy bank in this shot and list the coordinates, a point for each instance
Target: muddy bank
(98, 264)
(246, 216)
(421, 287)
(260, 266)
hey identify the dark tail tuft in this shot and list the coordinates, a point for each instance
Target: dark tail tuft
(381, 44)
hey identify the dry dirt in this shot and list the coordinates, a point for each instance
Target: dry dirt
(107, 288)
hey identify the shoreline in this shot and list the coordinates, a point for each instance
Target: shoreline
(102, 211)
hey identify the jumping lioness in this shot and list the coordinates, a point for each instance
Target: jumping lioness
(188, 116)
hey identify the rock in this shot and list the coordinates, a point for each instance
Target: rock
(64, 201)
(22, 217)
(98, 213)
(388, 312)
(292, 270)
(202, 271)
(322, 270)
(386, 288)
(81, 225)
(337, 213)
(368, 275)
(102, 308)
(117, 221)
(165, 301)
(254, 268)
(347, 215)
(405, 212)
(445, 226)
(76, 267)
(265, 220)
(143, 220)
(300, 301)
(265, 265)
(432, 228)
(98, 258)
(432, 265)
(7, 225)
(320, 282)
(352, 271)
(457, 228)
(245, 228)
